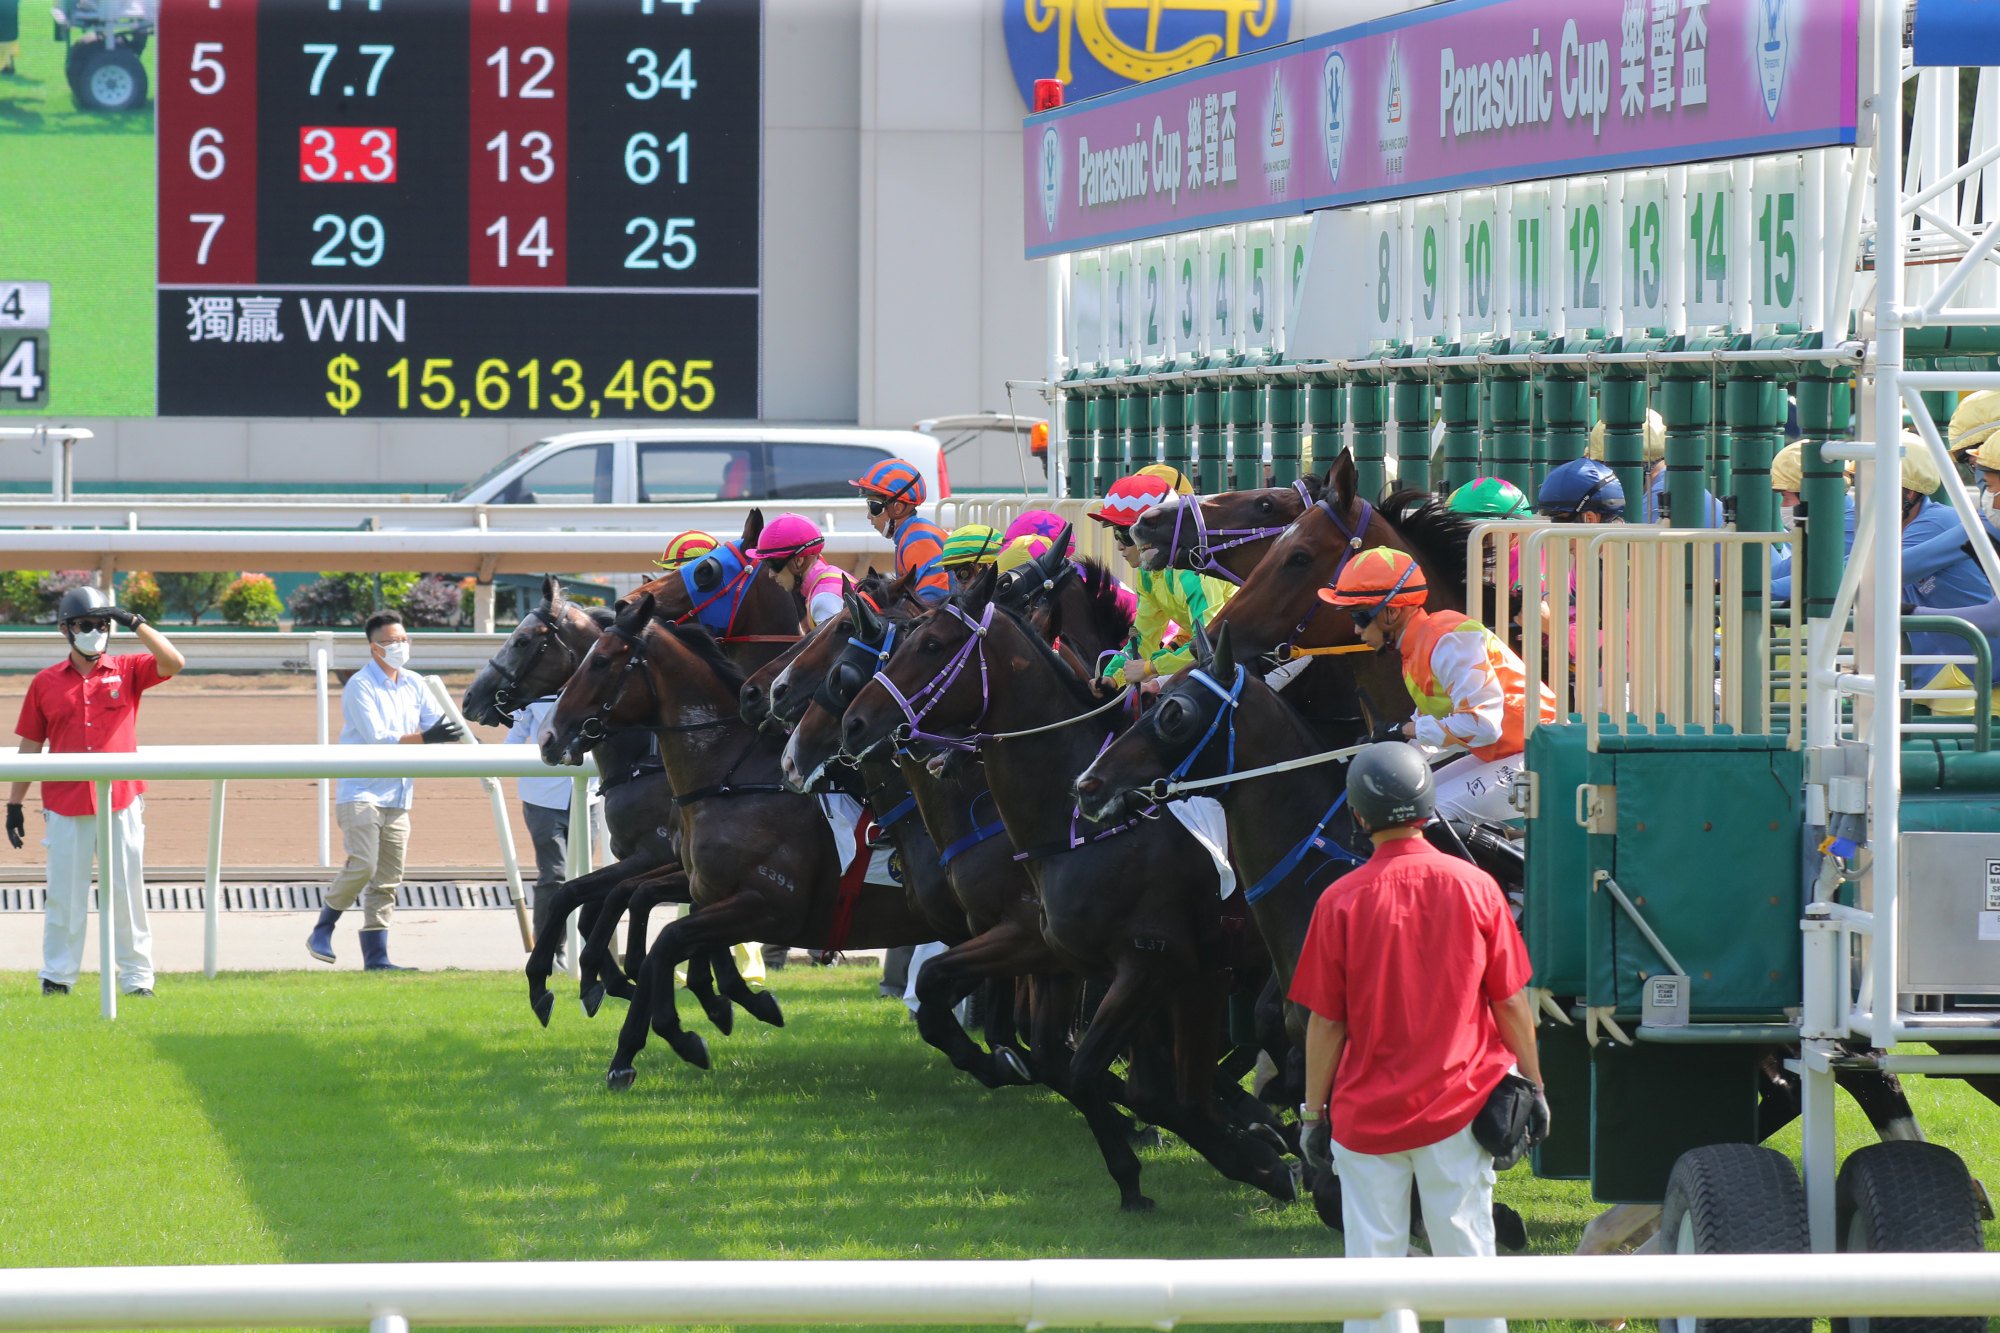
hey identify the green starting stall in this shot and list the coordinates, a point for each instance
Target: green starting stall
(1471, 240)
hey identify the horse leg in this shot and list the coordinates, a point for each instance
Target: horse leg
(712, 928)
(656, 978)
(1131, 996)
(701, 985)
(601, 973)
(759, 1004)
(597, 933)
(956, 973)
(585, 889)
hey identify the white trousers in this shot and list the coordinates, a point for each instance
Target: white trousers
(72, 845)
(1454, 1178)
(1473, 788)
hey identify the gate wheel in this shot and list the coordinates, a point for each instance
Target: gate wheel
(1906, 1196)
(1734, 1198)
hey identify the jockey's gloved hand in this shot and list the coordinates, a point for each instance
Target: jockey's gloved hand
(443, 730)
(1538, 1117)
(17, 825)
(1316, 1144)
(124, 617)
(1388, 731)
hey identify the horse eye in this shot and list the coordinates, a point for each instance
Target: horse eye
(599, 662)
(930, 645)
(1265, 506)
(1299, 560)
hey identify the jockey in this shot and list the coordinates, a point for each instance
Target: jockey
(967, 551)
(894, 490)
(685, 546)
(789, 551)
(1490, 498)
(1043, 523)
(1582, 490)
(1177, 597)
(1470, 689)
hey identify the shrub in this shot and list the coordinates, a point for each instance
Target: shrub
(324, 601)
(53, 586)
(252, 600)
(21, 595)
(142, 594)
(361, 589)
(192, 592)
(432, 600)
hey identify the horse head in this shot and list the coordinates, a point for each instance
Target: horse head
(613, 686)
(1175, 739)
(535, 660)
(1220, 535)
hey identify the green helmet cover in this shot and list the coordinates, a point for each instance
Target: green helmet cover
(1491, 497)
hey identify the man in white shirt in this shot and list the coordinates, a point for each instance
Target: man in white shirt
(381, 704)
(545, 806)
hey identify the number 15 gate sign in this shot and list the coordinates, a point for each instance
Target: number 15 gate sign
(1483, 93)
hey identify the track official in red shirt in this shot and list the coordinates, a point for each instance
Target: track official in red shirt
(89, 703)
(1414, 973)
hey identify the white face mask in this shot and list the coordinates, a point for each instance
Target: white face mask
(92, 644)
(1989, 508)
(1787, 518)
(397, 653)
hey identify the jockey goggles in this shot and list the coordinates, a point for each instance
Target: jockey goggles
(876, 504)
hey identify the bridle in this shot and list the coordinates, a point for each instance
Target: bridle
(505, 697)
(718, 611)
(1161, 788)
(865, 657)
(1353, 538)
(917, 705)
(595, 728)
(1202, 556)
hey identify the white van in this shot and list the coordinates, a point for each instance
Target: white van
(702, 465)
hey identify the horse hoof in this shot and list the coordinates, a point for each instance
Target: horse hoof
(1010, 1063)
(543, 1004)
(620, 1080)
(1138, 1203)
(1146, 1136)
(592, 999)
(690, 1047)
(1509, 1231)
(720, 1014)
(1272, 1138)
(763, 1006)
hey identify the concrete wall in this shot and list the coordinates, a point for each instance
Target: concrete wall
(894, 287)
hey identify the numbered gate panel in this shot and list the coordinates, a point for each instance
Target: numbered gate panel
(1348, 305)
(1183, 303)
(1529, 268)
(1261, 296)
(1708, 252)
(1636, 241)
(1219, 290)
(1121, 301)
(1429, 243)
(1086, 308)
(1155, 286)
(1586, 260)
(1777, 278)
(1295, 244)
(1476, 247)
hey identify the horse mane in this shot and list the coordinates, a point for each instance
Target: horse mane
(601, 616)
(697, 640)
(1111, 620)
(1079, 692)
(1442, 538)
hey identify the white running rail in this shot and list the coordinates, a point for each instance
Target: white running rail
(1027, 1293)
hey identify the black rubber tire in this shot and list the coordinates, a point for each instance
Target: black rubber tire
(1734, 1198)
(104, 71)
(1906, 1196)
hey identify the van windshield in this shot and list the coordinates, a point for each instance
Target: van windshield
(492, 472)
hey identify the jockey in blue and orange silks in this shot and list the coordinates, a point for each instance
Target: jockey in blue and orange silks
(894, 490)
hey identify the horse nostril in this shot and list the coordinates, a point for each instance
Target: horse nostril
(1088, 786)
(778, 692)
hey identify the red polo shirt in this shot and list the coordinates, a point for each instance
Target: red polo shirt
(94, 714)
(1410, 951)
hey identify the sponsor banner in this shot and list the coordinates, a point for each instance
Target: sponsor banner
(1483, 92)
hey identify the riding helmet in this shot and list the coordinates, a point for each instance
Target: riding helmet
(1379, 577)
(1579, 486)
(80, 603)
(893, 479)
(1490, 497)
(1390, 784)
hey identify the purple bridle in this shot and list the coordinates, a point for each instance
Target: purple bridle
(1201, 558)
(917, 705)
(1354, 536)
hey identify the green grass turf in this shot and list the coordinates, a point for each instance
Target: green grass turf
(304, 1117)
(76, 210)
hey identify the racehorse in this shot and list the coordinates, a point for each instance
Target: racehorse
(758, 861)
(1134, 900)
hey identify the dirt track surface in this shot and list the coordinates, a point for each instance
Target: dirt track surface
(275, 823)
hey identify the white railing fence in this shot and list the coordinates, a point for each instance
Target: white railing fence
(1027, 1293)
(218, 764)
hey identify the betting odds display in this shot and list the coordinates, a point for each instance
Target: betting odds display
(458, 208)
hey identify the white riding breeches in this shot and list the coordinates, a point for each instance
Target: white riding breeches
(72, 844)
(1454, 1178)
(1473, 788)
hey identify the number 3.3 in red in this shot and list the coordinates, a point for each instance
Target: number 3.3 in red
(356, 153)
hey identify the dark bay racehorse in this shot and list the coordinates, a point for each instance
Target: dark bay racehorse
(758, 860)
(1134, 901)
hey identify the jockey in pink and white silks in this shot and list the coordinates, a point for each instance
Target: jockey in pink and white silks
(789, 549)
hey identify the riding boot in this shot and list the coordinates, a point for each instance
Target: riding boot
(320, 943)
(375, 952)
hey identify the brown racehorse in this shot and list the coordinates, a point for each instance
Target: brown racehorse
(1134, 901)
(758, 859)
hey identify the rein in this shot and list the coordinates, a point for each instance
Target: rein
(510, 681)
(1163, 789)
(1201, 556)
(593, 727)
(918, 705)
(1230, 698)
(722, 622)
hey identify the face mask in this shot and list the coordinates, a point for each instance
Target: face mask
(397, 653)
(1989, 508)
(1787, 518)
(92, 644)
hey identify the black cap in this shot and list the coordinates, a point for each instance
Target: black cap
(1390, 784)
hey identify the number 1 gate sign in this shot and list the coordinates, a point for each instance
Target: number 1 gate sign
(1483, 93)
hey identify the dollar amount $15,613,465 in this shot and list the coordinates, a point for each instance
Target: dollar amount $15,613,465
(439, 384)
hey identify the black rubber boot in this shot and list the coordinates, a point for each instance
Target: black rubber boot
(320, 943)
(375, 952)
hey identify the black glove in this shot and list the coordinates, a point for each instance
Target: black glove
(119, 615)
(442, 731)
(1316, 1145)
(17, 825)
(1538, 1117)
(1388, 731)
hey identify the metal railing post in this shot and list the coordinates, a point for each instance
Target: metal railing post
(322, 652)
(107, 857)
(503, 827)
(211, 897)
(579, 864)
